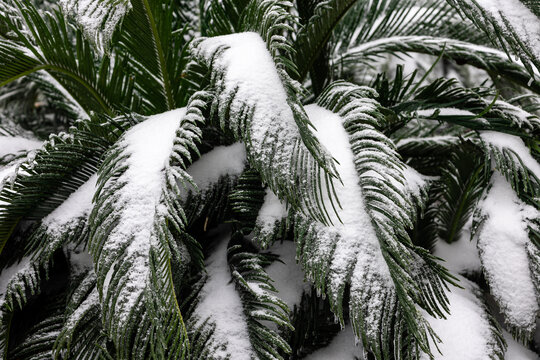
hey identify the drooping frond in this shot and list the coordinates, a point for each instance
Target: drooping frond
(513, 159)
(370, 248)
(137, 210)
(251, 101)
(502, 222)
(81, 336)
(509, 23)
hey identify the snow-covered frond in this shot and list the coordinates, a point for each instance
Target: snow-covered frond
(66, 224)
(501, 227)
(475, 109)
(246, 200)
(259, 299)
(509, 23)
(17, 283)
(137, 211)
(51, 174)
(274, 20)
(238, 305)
(272, 220)
(482, 57)
(252, 102)
(469, 332)
(81, 336)
(368, 247)
(97, 18)
(44, 41)
(513, 159)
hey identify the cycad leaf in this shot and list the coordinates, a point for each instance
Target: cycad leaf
(131, 241)
(509, 23)
(371, 249)
(502, 221)
(98, 18)
(252, 102)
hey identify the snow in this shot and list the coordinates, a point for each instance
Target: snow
(272, 135)
(445, 112)
(80, 259)
(98, 19)
(220, 302)
(522, 21)
(516, 351)
(8, 273)
(466, 333)
(16, 144)
(272, 211)
(219, 162)
(502, 242)
(76, 206)
(342, 347)
(287, 275)
(149, 145)
(514, 143)
(461, 256)
(357, 243)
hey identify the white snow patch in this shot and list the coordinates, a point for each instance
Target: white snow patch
(466, 333)
(272, 211)
(502, 242)
(220, 161)
(8, 273)
(460, 256)
(220, 302)
(342, 347)
(16, 144)
(287, 275)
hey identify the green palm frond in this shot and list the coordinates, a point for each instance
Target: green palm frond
(251, 120)
(508, 26)
(490, 60)
(137, 210)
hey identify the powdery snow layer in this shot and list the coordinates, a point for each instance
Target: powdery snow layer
(8, 273)
(466, 333)
(502, 242)
(98, 19)
(220, 161)
(220, 302)
(522, 21)
(149, 145)
(271, 212)
(15, 144)
(517, 351)
(358, 246)
(514, 143)
(460, 256)
(76, 206)
(287, 274)
(342, 347)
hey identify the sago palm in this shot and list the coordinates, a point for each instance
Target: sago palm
(257, 179)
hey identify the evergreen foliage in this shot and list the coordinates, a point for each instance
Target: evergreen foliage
(262, 179)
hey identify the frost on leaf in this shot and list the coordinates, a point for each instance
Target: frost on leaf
(97, 18)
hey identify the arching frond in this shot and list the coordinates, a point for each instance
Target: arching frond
(251, 101)
(501, 226)
(137, 209)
